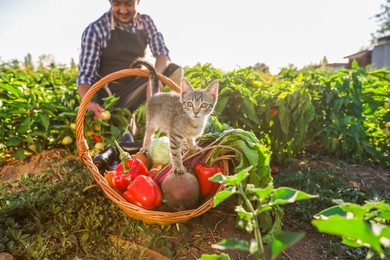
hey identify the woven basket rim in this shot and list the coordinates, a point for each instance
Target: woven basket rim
(133, 211)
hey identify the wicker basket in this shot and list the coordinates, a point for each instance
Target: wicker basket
(133, 211)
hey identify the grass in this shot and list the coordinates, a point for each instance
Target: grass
(52, 215)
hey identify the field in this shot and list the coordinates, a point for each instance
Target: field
(325, 133)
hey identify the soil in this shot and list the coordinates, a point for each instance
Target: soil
(219, 223)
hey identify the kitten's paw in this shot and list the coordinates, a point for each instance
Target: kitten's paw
(195, 149)
(144, 151)
(179, 171)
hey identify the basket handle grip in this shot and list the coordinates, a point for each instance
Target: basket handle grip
(81, 143)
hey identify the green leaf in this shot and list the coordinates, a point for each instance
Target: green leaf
(367, 211)
(13, 90)
(286, 195)
(110, 101)
(350, 242)
(263, 208)
(357, 210)
(354, 229)
(335, 210)
(382, 207)
(284, 118)
(283, 240)
(250, 154)
(242, 213)
(271, 222)
(219, 178)
(18, 154)
(44, 120)
(221, 104)
(232, 243)
(13, 141)
(233, 180)
(24, 126)
(248, 151)
(250, 110)
(385, 236)
(215, 257)
(29, 139)
(262, 193)
(223, 195)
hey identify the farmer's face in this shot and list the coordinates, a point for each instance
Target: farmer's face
(124, 10)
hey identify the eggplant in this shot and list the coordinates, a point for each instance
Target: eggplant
(113, 165)
(108, 159)
(104, 159)
(130, 147)
(127, 136)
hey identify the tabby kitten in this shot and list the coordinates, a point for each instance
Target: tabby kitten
(182, 117)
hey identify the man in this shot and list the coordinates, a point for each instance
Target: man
(112, 43)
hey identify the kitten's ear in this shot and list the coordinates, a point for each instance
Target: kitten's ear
(186, 87)
(213, 88)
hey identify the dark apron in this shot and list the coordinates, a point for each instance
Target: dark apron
(121, 51)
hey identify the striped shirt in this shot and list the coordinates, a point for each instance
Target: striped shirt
(95, 38)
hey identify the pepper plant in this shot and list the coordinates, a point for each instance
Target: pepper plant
(358, 225)
(343, 113)
(38, 110)
(256, 201)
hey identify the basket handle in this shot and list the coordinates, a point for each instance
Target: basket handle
(81, 143)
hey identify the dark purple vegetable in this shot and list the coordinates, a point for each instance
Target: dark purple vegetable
(113, 165)
(108, 159)
(127, 136)
(130, 147)
(180, 191)
(104, 159)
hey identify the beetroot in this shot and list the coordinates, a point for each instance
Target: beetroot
(180, 192)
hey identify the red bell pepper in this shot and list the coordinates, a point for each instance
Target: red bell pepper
(97, 138)
(121, 181)
(144, 192)
(274, 111)
(204, 173)
(127, 170)
(136, 167)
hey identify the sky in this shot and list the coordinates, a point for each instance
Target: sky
(228, 34)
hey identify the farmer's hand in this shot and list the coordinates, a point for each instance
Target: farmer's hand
(97, 110)
(92, 106)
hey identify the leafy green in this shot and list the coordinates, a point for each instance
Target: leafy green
(358, 225)
(283, 240)
(247, 150)
(257, 204)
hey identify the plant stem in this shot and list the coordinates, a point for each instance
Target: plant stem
(257, 226)
(123, 156)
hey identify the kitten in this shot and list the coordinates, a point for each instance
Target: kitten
(182, 117)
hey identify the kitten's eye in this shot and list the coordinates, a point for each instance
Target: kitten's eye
(204, 105)
(189, 104)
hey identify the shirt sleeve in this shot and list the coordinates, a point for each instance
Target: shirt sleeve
(156, 40)
(91, 42)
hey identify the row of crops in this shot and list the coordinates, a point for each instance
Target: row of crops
(342, 114)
